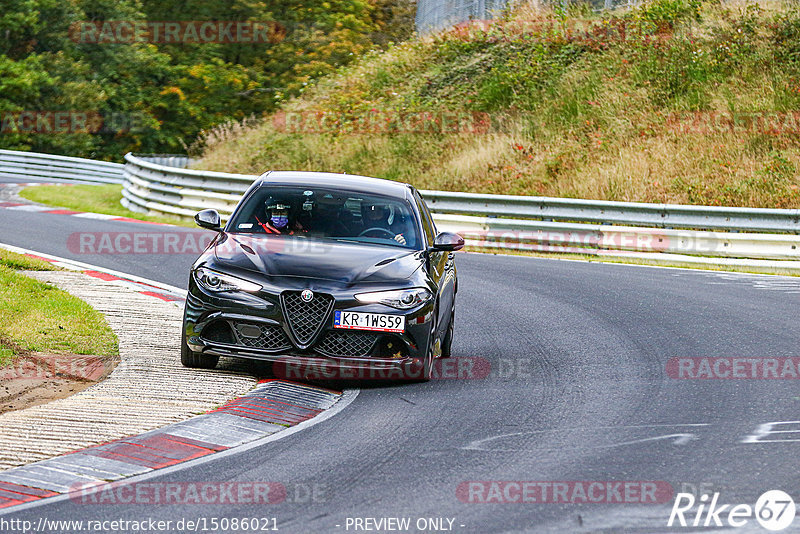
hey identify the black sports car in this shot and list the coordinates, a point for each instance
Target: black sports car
(324, 269)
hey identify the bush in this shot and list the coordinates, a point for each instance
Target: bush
(581, 105)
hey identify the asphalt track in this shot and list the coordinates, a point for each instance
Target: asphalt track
(578, 392)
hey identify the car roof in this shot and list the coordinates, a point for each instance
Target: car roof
(349, 182)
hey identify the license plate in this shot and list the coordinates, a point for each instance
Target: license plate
(379, 322)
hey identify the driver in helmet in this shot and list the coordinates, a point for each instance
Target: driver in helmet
(277, 218)
(377, 217)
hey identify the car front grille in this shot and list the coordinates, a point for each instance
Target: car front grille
(305, 318)
(347, 344)
(271, 337)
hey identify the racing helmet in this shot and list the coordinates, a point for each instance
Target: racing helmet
(374, 212)
(277, 212)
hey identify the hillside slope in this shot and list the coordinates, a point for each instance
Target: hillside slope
(676, 101)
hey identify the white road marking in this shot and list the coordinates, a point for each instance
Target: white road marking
(101, 216)
(766, 429)
(679, 438)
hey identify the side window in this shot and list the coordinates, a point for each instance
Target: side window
(427, 221)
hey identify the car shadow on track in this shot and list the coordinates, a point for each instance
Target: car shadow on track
(317, 378)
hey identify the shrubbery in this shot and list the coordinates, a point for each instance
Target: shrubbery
(581, 105)
(163, 95)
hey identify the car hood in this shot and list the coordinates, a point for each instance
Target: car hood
(347, 263)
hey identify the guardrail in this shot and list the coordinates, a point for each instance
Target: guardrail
(174, 190)
(25, 165)
(545, 236)
(516, 222)
(632, 213)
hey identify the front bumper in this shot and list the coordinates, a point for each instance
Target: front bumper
(214, 324)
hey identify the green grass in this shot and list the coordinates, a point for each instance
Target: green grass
(40, 317)
(92, 198)
(6, 356)
(599, 113)
(19, 262)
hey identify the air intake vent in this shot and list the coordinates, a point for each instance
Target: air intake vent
(262, 336)
(347, 344)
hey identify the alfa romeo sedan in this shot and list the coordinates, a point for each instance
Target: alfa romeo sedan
(324, 269)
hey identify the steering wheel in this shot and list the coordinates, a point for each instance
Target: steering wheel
(377, 229)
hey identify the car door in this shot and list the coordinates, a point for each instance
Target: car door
(441, 267)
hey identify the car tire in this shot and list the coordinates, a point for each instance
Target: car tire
(195, 360)
(447, 343)
(421, 371)
(427, 363)
(427, 369)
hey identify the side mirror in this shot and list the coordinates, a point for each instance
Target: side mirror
(209, 219)
(448, 241)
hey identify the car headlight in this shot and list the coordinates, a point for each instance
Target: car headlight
(219, 282)
(403, 299)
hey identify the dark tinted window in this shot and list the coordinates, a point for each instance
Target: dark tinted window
(427, 220)
(328, 214)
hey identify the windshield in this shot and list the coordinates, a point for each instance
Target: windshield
(328, 214)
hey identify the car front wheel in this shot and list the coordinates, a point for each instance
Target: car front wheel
(189, 358)
(447, 343)
(421, 369)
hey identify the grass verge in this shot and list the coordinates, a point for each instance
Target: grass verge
(11, 260)
(92, 198)
(6, 356)
(41, 318)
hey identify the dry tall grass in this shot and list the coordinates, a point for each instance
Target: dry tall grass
(607, 119)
